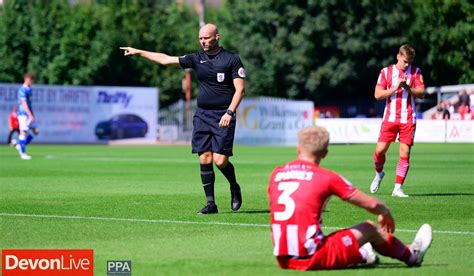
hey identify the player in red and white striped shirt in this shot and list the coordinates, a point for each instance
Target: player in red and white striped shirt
(399, 84)
(298, 193)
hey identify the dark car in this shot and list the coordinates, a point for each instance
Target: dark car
(121, 126)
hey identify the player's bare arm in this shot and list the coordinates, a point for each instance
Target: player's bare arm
(239, 85)
(418, 92)
(375, 207)
(381, 93)
(160, 58)
(28, 111)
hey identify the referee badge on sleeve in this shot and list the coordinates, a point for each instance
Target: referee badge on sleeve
(241, 72)
(220, 77)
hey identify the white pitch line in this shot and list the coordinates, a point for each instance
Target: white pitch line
(199, 222)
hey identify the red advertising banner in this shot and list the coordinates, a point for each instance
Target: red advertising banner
(48, 262)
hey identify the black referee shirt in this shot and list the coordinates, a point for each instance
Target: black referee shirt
(215, 75)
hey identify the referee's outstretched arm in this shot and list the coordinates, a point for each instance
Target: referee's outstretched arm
(160, 58)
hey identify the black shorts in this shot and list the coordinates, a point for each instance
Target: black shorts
(208, 136)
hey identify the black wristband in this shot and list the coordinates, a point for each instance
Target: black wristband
(230, 112)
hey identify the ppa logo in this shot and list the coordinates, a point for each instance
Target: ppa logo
(123, 268)
(47, 262)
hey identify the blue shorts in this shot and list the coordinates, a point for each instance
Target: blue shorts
(208, 136)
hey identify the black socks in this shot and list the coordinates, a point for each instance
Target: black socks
(229, 172)
(208, 178)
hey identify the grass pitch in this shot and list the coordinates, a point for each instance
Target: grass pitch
(139, 203)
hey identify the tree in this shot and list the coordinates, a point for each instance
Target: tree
(15, 44)
(443, 32)
(317, 50)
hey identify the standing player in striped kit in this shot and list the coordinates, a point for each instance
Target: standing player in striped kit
(399, 84)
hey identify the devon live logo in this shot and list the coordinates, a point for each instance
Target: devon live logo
(69, 262)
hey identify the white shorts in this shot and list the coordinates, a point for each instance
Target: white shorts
(25, 123)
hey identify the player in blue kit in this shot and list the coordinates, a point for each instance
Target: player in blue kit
(26, 119)
(221, 76)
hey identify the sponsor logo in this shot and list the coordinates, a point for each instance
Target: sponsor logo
(115, 98)
(241, 72)
(347, 241)
(202, 61)
(220, 77)
(119, 267)
(48, 262)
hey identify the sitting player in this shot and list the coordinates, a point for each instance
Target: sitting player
(298, 193)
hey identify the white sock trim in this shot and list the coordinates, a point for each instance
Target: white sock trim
(364, 254)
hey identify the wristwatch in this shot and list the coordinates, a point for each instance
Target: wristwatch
(230, 112)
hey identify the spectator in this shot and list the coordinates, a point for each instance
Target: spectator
(445, 110)
(438, 115)
(464, 98)
(372, 113)
(471, 99)
(328, 114)
(13, 125)
(464, 111)
(450, 108)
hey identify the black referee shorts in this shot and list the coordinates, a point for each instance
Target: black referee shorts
(208, 136)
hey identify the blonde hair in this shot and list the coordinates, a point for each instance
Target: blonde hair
(313, 140)
(408, 51)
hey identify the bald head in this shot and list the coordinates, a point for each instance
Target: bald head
(209, 38)
(208, 29)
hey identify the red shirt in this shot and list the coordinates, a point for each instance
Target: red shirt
(298, 193)
(400, 107)
(463, 110)
(13, 118)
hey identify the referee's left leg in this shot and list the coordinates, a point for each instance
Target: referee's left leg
(228, 170)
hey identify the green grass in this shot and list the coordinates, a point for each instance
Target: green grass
(163, 183)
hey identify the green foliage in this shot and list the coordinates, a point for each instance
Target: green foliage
(444, 29)
(14, 40)
(323, 50)
(79, 44)
(332, 49)
(317, 49)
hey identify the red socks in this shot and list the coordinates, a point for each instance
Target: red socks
(402, 170)
(393, 247)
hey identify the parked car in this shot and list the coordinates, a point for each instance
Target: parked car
(121, 126)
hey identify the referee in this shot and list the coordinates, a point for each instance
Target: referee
(221, 82)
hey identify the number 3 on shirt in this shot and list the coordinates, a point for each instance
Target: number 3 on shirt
(288, 188)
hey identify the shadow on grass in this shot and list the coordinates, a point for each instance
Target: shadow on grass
(392, 265)
(266, 211)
